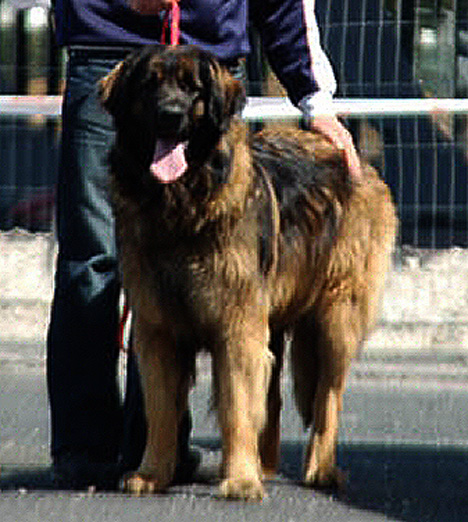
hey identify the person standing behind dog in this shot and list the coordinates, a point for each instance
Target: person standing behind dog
(92, 441)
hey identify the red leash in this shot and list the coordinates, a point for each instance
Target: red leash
(124, 317)
(172, 17)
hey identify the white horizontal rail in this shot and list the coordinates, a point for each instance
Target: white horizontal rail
(11, 105)
(270, 108)
(263, 108)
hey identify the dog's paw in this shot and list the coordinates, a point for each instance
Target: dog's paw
(242, 489)
(269, 473)
(142, 484)
(331, 479)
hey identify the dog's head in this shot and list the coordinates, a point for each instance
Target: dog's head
(176, 97)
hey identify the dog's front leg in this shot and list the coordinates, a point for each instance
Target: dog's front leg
(242, 371)
(165, 397)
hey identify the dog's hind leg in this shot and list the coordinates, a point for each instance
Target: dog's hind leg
(270, 437)
(322, 348)
(165, 390)
(242, 365)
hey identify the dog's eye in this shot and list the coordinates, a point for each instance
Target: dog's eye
(188, 82)
(151, 80)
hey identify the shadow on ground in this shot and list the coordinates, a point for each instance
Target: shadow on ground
(22, 478)
(409, 483)
(412, 483)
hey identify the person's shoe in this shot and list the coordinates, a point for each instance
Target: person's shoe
(81, 470)
(77, 471)
(187, 466)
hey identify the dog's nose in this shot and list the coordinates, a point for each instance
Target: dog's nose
(171, 117)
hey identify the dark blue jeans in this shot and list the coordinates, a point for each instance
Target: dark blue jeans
(86, 410)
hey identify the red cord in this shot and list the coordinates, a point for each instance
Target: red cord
(173, 15)
(123, 322)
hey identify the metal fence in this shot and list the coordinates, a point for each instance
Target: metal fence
(30, 64)
(380, 49)
(408, 49)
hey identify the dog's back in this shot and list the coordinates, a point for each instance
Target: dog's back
(329, 229)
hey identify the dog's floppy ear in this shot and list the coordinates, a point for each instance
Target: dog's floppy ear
(115, 88)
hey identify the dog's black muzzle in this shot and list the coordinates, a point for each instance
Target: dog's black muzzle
(172, 121)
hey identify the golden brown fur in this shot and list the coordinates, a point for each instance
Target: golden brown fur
(260, 236)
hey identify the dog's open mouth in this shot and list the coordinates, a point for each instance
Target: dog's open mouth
(169, 162)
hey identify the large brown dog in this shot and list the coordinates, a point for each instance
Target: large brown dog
(227, 241)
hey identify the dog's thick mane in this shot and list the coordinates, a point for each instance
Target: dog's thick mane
(210, 195)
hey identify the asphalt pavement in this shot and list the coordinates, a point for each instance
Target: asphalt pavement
(403, 442)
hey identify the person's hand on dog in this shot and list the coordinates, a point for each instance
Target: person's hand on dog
(338, 135)
(151, 7)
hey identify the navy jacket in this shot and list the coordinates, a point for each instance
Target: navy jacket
(288, 29)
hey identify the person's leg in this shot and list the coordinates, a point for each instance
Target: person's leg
(93, 438)
(86, 417)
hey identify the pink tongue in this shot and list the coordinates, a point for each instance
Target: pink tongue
(169, 161)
